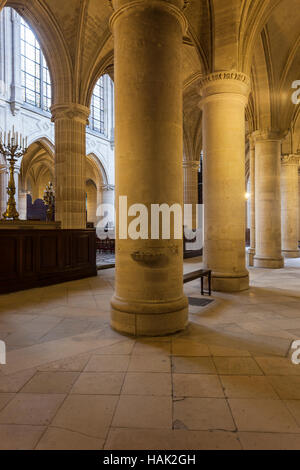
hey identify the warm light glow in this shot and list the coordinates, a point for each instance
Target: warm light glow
(247, 196)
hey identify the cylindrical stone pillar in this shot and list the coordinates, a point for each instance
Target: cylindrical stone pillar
(70, 157)
(290, 206)
(224, 97)
(148, 297)
(267, 200)
(251, 250)
(190, 191)
(108, 197)
(22, 206)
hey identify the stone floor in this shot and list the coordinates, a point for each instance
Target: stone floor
(227, 382)
(104, 260)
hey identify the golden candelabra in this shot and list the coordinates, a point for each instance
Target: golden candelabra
(49, 199)
(12, 146)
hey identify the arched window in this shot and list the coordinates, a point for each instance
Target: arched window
(97, 122)
(34, 71)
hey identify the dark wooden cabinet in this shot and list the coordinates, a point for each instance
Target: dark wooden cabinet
(32, 258)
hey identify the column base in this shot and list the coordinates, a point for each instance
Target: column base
(291, 254)
(250, 256)
(271, 263)
(149, 319)
(230, 283)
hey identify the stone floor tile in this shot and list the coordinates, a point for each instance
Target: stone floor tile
(269, 441)
(114, 363)
(262, 415)
(35, 409)
(151, 347)
(149, 439)
(19, 437)
(14, 382)
(51, 382)
(143, 412)
(99, 383)
(147, 383)
(62, 439)
(189, 348)
(5, 398)
(197, 385)
(122, 348)
(294, 408)
(277, 366)
(193, 365)
(237, 366)
(239, 386)
(229, 352)
(152, 363)
(287, 387)
(202, 414)
(90, 415)
(70, 364)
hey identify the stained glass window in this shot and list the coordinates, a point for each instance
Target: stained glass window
(97, 107)
(34, 71)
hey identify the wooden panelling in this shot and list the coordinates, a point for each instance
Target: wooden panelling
(32, 258)
(8, 257)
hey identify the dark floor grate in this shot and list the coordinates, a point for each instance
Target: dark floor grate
(199, 302)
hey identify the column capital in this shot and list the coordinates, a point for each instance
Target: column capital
(291, 159)
(223, 84)
(74, 111)
(267, 134)
(174, 7)
(193, 164)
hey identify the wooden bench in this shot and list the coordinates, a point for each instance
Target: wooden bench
(200, 273)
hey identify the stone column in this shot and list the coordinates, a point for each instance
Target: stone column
(190, 190)
(22, 206)
(70, 157)
(224, 97)
(251, 250)
(108, 197)
(267, 200)
(148, 297)
(290, 206)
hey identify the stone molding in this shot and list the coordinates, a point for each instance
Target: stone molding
(290, 159)
(74, 111)
(193, 164)
(220, 76)
(224, 85)
(268, 134)
(168, 7)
